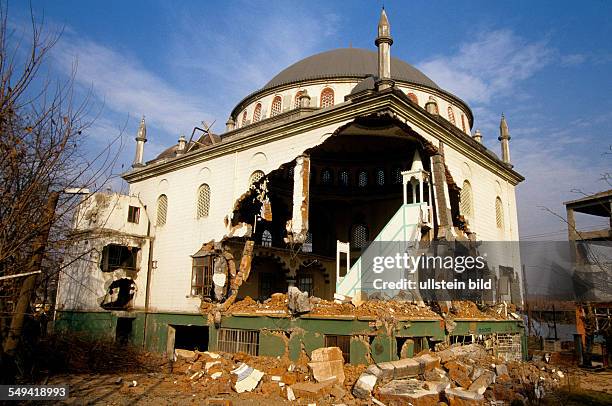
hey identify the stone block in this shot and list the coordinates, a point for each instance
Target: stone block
(405, 368)
(312, 390)
(481, 383)
(462, 397)
(364, 386)
(387, 370)
(409, 391)
(428, 362)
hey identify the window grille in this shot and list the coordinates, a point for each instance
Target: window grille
(307, 246)
(244, 119)
(233, 340)
(162, 210)
(203, 200)
(277, 104)
(296, 104)
(359, 236)
(380, 177)
(397, 176)
(499, 213)
(266, 239)
(255, 177)
(327, 97)
(305, 283)
(451, 116)
(257, 113)
(344, 178)
(363, 179)
(466, 199)
(326, 177)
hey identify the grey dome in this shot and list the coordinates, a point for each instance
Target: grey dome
(347, 62)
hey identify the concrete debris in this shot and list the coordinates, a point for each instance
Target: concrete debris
(290, 395)
(216, 375)
(410, 391)
(327, 364)
(312, 390)
(248, 378)
(185, 354)
(342, 299)
(132, 384)
(501, 370)
(483, 381)
(463, 397)
(364, 386)
(297, 301)
(119, 381)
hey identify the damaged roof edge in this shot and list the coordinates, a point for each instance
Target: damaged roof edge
(394, 101)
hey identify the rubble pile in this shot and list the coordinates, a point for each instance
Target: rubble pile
(458, 376)
(279, 304)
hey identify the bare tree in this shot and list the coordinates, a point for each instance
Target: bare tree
(43, 130)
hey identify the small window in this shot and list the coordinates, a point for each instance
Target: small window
(343, 178)
(203, 200)
(256, 177)
(296, 104)
(257, 113)
(277, 104)
(326, 177)
(327, 97)
(244, 119)
(463, 123)
(396, 175)
(118, 257)
(466, 199)
(201, 276)
(359, 236)
(451, 116)
(363, 179)
(162, 210)
(380, 177)
(499, 213)
(266, 239)
(413, 97)
(133, 214)
(305, 283)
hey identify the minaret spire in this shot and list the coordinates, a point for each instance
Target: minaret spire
(141, 138)
(384, 42)
(504, 137)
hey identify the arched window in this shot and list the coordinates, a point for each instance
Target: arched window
(296, 103)
(244, 119)
(277, 105)
(203, 200)
(463, 123)
(466, 199)
(396, 175)
(327, 97)
(343, 178)
(162, 209)
(499, 213)
(451, 115)
(326, 176)
(380, 177)
(413, 97)
(257, 113)
(363, 178)
(266, 239)
(359, 235)
(256, 177)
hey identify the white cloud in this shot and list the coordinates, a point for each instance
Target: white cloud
(126, 87)
(490, 65)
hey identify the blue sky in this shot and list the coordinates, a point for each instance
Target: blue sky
(547, 65)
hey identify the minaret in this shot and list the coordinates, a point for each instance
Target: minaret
(141, 138)
(383, 42)
(181, 146)
(504, 137)
(477, 136)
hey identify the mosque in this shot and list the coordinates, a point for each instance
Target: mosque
(338, 150)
